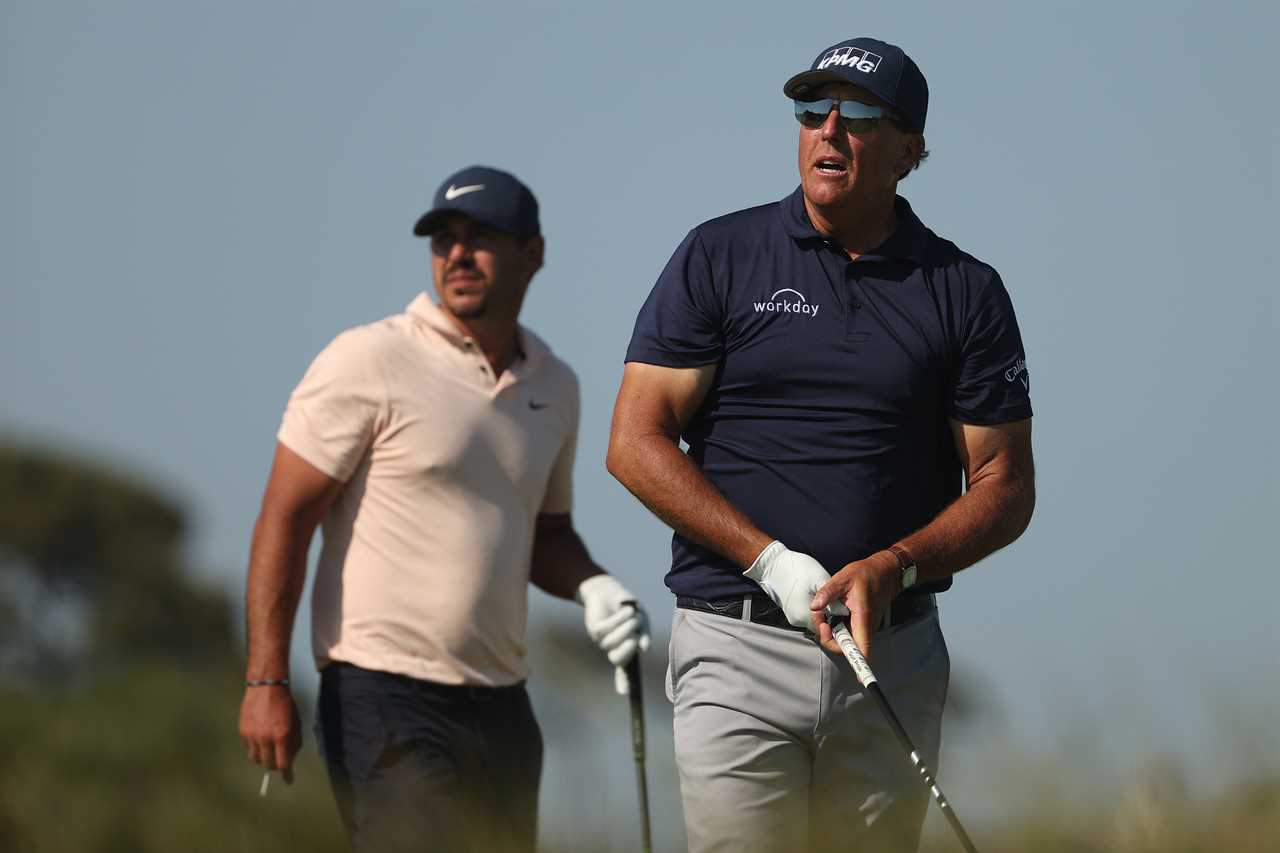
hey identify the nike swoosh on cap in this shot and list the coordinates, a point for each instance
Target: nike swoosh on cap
(453, 192)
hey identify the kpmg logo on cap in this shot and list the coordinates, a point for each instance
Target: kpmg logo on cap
(854, 57)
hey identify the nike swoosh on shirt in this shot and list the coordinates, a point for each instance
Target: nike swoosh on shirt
(453, 192)
(536, 406)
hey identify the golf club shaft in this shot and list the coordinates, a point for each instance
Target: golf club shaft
(637, 747)
(840, 628)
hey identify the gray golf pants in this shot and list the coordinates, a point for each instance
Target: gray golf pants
(778, 747)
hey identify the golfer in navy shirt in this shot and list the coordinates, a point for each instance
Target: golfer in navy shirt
(854, 395)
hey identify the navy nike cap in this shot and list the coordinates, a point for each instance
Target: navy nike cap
(881, 68)
(491, 197)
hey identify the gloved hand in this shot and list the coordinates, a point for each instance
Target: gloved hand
(615, 622)
(790, 579)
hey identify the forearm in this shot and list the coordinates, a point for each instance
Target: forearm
(992, 513)
(277, 571)
(667, 481)
(560, 562)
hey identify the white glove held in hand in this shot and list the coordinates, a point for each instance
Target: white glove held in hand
(615, 622)
(790, 578)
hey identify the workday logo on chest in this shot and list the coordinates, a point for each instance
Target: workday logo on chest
(787, 301)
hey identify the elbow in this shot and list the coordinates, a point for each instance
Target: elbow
(628, 456)
(1024, 508)
(617, 458)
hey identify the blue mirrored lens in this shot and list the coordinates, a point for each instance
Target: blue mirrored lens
(857, 109)
(856, 116)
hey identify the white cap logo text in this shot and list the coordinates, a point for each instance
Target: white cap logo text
(856, 57)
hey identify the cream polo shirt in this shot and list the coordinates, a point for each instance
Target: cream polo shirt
(425, 565)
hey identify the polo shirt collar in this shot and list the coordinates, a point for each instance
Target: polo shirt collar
(531, 350)
(907, 241)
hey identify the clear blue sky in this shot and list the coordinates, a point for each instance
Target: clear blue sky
(196, 197)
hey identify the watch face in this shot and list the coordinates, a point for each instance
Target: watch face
(909, 576)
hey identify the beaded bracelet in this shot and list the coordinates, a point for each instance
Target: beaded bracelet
(267, 682)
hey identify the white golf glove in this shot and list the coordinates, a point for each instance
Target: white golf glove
(790, 579)
(615, 622)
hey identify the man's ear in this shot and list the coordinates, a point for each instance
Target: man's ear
(912, 150)
(913, 146)
(534, 251)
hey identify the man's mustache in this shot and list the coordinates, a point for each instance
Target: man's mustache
(463, 266)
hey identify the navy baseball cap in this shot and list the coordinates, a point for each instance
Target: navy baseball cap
(881, 68)
(489, 196)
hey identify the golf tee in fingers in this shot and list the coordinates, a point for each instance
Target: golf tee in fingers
(266, 780)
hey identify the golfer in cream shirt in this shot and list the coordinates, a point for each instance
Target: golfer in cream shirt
(436, 449)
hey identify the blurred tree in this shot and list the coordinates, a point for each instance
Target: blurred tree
(85, 550)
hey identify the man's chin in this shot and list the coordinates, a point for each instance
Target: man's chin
(827, 193)
(465, 309)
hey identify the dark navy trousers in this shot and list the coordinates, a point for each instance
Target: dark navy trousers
(419, 766)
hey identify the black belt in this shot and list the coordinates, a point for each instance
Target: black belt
(764, 612)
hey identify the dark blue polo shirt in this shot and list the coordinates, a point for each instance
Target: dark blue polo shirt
(827, 422)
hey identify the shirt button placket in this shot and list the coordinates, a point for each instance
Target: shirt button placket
(481, 365)
(851, 316)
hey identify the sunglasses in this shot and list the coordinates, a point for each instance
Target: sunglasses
(444, 239)
(856, 116)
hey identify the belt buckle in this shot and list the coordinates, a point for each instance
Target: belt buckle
(724, 607)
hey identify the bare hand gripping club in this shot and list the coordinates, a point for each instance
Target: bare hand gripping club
(840, 629)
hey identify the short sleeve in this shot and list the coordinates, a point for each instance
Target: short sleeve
(681, 324)
(558, 499)
(331, 416)
(992, 384)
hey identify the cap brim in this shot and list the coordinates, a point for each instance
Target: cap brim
(808, 79)
(429, 222)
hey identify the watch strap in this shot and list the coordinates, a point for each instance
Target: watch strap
(906, 564)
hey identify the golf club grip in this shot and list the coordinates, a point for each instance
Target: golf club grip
(840, 630)
(862, 669)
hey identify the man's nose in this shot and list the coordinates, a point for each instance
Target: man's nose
(459, 252)
(831, 126)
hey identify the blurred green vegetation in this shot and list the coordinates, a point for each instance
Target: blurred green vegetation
(81, 536)
(1147, 817)
(122, 739)
(148, 760)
